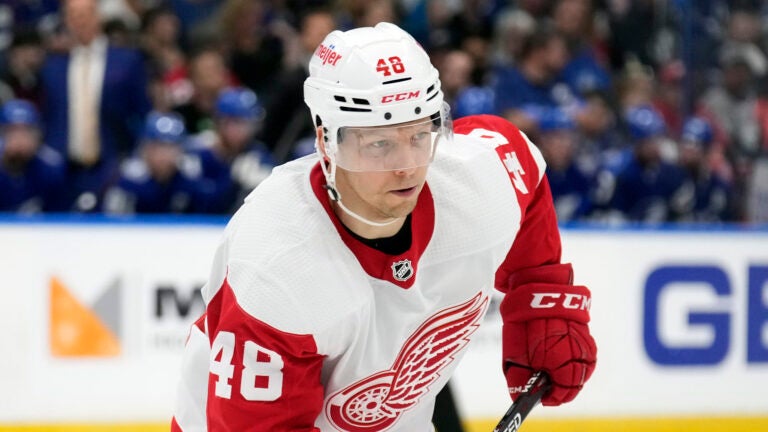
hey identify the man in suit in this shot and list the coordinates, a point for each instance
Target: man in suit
(95, 102)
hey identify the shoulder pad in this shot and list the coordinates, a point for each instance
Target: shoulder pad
(519, 156)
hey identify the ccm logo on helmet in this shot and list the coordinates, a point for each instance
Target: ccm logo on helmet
(568, 301)
(327, 54)
(400, 96)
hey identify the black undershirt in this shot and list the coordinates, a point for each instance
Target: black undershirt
(395, 245)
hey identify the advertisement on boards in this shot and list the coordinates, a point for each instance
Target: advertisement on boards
(96, 317)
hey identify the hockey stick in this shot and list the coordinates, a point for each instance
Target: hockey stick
(535, 388)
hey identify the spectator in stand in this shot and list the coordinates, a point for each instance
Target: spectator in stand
(167, 62)
(233, 162)
(209, 76)
(31, 175)
(632, 28)
(455, 74)
(154, 182)
(635, 86)
(533, 81)
(584, 73)
(95, 100)
(668, 95)
(645, 188)
(732, 106)
(744, 27)
(429, 22)
(472, 32)
(458, 74)
(287, 115)
(512, 27)
(25, 58)
(599, 135)
(712, 194)
(253, 51)
(570, 184)
(733, 101)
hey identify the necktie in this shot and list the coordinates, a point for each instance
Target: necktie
(88, 149)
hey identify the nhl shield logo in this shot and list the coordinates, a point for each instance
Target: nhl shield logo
(402, 270)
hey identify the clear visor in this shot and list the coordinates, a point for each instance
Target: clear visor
(392, 148)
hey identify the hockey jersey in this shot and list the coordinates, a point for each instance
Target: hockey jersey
(37, 187)
(137, 191)
(308, 329)
(232, 180)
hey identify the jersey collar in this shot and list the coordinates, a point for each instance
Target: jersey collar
(397, 269)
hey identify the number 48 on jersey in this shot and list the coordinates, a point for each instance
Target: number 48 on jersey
(262, 369)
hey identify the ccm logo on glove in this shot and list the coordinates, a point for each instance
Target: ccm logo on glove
(568, 301)
(546, 328)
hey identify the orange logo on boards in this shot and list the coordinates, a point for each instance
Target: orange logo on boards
(80, 331)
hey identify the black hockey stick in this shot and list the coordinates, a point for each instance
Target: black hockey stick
(535, 388)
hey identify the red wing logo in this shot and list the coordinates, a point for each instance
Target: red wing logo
(375, 403)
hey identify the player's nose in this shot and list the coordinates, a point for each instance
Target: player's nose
(407, 158)
(407, 165)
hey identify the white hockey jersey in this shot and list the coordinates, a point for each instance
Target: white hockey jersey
(308, 329)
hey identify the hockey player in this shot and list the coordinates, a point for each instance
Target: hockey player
(345, 289)
(31, 174)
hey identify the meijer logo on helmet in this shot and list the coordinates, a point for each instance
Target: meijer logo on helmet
(327, 54)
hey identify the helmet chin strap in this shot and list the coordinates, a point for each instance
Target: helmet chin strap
(362, 219)
(333, 193)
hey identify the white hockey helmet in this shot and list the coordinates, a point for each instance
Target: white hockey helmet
(373, 77)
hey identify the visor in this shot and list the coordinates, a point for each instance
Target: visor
(392, 148)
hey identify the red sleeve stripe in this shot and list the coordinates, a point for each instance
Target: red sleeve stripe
(200, 323)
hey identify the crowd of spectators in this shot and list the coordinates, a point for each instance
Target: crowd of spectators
(648, 111)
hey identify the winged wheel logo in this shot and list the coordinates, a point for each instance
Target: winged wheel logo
(375, 403)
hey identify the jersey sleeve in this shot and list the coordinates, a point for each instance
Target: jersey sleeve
(255, 377)
(537, 243)
(191, 393)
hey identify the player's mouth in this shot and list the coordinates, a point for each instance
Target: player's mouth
(405, 193)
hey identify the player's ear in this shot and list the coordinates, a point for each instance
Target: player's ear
(321, 143)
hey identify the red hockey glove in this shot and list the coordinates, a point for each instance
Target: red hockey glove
(545, 328)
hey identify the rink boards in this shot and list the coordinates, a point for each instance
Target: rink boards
(96, 312)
